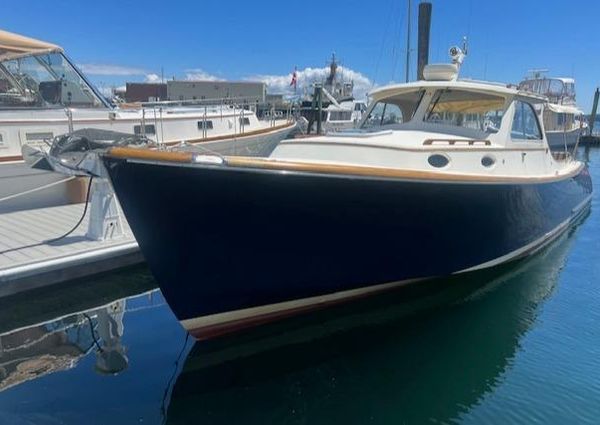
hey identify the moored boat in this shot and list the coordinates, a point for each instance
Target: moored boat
(340, 110)
(442, 176)
(43, 94)
(563, 120)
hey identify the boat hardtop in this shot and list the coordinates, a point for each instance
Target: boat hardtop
(13, 46)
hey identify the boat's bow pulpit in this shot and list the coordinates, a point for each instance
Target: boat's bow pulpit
(77, 154)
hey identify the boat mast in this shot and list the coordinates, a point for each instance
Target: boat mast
(408, 43)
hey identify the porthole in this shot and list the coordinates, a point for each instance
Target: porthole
(488, 161)
(438, 161)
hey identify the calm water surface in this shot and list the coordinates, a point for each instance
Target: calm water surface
(519, 344)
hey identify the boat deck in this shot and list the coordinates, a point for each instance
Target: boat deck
(30, 259)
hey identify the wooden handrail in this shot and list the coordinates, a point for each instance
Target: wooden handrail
(452, 142)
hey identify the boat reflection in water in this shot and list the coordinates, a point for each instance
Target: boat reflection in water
(58, 345)
(373, 361)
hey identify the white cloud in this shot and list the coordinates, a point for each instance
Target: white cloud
(103, 69)
(275, 83)
(200, 74)
(307, 76)
(152, 78)
(105, 91)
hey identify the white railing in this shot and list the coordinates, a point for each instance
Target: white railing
(240, 107)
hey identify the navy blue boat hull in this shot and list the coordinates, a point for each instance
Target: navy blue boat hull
(231, 247)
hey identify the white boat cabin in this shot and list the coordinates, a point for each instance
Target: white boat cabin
(442, 126)
(345, 115)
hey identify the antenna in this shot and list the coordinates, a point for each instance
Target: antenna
(408, 43)
(537, 72)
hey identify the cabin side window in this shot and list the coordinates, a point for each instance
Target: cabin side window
(525, 123)
(148, 129)
(205, 125)
(244, 121)
(461, 108)
(393, 110)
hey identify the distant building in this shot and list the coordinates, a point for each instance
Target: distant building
(145, 92)
(276, 99)
(199, 90)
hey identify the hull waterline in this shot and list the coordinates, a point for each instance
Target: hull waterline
(235, 247)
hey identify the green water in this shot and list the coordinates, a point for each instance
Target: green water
(518, 344)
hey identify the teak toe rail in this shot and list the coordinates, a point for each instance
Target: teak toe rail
(144, 154)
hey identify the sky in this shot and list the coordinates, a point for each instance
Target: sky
(118, 41)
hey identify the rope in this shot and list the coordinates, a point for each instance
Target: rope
(87, 201)
(27, 192)
(163, 407)
(96, 343)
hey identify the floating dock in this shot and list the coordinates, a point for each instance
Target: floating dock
(30, 257)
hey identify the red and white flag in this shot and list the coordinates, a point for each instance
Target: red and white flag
(294, 81)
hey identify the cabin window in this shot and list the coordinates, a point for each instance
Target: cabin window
(461, 108)
(556, 88)
(205, 125)
(45, 80)
(525, 123)
(244, 121)
(340, 115)
(148, 129)
(393, 110)
(1, 140)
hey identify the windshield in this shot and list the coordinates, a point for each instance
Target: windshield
(393, 110)
(461, 108)
(554, 88)
(47, 80)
